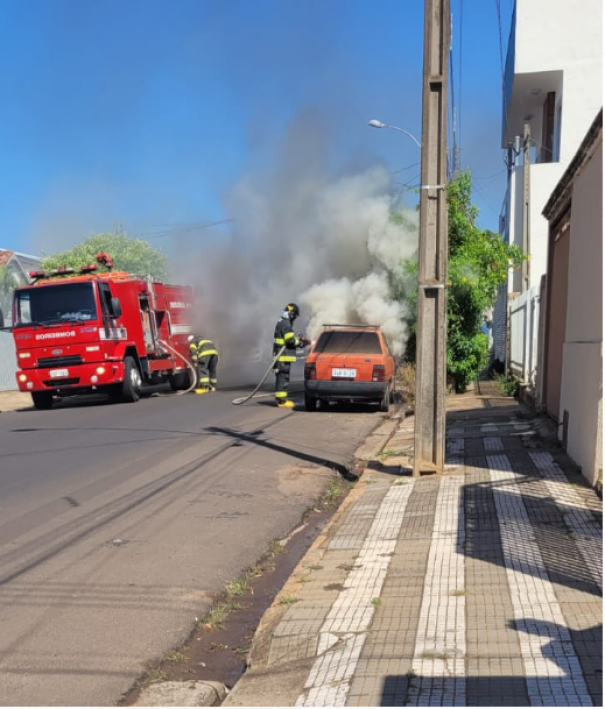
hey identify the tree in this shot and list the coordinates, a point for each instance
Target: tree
(478, 263)
(133, 255)
(6, 291)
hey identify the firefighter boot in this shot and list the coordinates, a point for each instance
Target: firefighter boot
(287, 404)
(202, 390)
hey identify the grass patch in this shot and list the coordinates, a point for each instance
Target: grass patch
(332, 495)
(405, 383)
(288, 600)
(314, 567)
(156, 676)
(508, 385)
(376, 602)
(390, 453)
(400, 482)
(460, 592)
(410, 674)
(175, 656)
(238, 586)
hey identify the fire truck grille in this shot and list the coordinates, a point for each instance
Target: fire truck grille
(61, 382)
(68, 360)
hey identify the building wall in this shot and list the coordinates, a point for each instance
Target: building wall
(552, 35)
(582, 379)
(543, 179)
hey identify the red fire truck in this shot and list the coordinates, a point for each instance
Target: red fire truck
(100, 330)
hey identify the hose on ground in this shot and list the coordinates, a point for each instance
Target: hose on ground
(188, 363)
(243, 399)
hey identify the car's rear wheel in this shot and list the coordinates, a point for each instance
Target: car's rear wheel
(310, 402)
(385, 402)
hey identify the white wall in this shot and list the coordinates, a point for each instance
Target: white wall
(543, 179)
(582, 377)
(554, 35)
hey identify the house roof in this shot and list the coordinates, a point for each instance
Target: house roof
(24, 260)
(561, 194)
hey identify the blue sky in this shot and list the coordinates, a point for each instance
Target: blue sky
(147, 112)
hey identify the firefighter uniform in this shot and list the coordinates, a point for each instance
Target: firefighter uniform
(205, 355)
(284, 336)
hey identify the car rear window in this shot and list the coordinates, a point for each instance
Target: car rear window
(343, 342)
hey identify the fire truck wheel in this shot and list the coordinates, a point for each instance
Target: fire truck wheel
(131, 385)
(180, 380)
(42, 399)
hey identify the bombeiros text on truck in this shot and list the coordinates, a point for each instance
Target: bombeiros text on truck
(94, 330)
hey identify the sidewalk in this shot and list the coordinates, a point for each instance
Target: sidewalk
(13, 400)
(479, 587)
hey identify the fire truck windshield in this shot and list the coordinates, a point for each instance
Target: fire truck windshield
(55, 304)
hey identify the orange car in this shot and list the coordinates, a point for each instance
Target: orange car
(351, 363)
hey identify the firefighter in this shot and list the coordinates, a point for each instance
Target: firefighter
(205, 355)
(284, 335)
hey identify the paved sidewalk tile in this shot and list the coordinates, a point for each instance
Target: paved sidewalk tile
(480, 587)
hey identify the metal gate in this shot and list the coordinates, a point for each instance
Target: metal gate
(8, 362)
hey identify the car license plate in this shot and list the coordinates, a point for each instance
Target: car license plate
(58, 373)
(348, 373)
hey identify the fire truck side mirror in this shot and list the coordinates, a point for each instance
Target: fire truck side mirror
(116, 308)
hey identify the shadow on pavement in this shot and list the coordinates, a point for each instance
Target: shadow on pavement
(255, 438)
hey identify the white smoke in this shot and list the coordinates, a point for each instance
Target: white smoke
(299, 235)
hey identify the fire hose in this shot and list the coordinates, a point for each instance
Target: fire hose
(188, 363)
(244, 399)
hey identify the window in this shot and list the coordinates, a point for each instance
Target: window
(348, 342)
(105, 298)
(556, 148)
(548, 127)
(55, 304)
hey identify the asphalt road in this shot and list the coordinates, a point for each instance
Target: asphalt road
(119, 522)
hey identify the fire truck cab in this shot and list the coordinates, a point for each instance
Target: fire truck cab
(112, 332)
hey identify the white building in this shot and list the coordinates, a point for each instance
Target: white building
(554, 83)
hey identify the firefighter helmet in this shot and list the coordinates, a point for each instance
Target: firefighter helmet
(293, 311)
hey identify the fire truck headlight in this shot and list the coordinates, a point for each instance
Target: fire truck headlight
(100, 370)
(94, 379)
(22, 378)
(93, 348)
(30, 385)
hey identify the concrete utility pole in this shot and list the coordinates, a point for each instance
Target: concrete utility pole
(429, 431)
(526, 217)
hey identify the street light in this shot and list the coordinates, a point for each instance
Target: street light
(379, 124)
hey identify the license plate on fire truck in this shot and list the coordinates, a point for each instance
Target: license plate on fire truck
(347, 373)
(58, 373)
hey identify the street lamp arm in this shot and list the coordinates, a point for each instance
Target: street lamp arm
(407, 132)
(379, 124)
